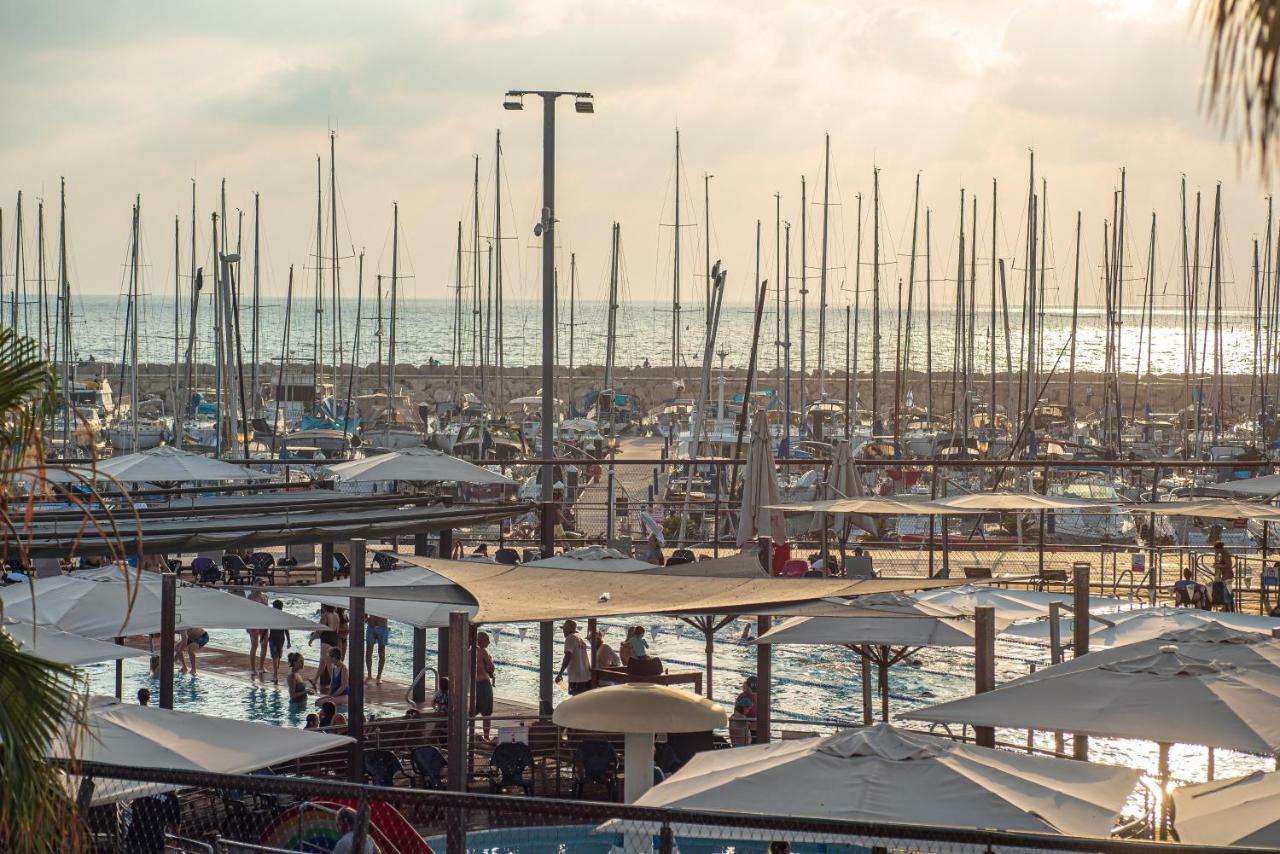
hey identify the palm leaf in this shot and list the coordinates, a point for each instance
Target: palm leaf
(1244, 71)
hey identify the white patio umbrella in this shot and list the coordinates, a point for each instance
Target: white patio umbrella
(99, 609)
(1239, 811)
(1168, 697)
(167, 464)
(965, 598)
(1141, 624)
(760, 489)
(415, 465)
(881, 773)
(883, 641)
(1211, 508)
(422, 615)
(66, 648)
(639, 710)
(150, 737)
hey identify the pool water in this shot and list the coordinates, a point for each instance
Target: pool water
(811, 683)
(583, 839)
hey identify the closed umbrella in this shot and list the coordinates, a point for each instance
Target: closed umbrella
(760, 491)
(415, 465)
(884, 774)
(101, 609)
(66, 648)
(844, 482)
(167, 464)
(1240, 811)
(150, 737)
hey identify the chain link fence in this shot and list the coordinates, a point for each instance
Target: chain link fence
(141, 811)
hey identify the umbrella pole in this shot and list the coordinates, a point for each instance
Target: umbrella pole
(119, 672)
(710, 648)
(868, 717)
(1209, 765)
(764, 654)
(884, 684)
(1162, 772)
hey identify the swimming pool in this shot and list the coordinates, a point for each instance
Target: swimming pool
(583, 839)
(810, 683)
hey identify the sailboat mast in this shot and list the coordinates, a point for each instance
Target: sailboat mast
(857, 306)
(610, 344)
(675, 269)
(395, 301)
(905, 335)
(496, 272)
(822, 286)
(786, 345)
(477, 349)
(46, 333)
(1075, 315)
(177, 331)
(335, 317)
(991, 401)
(777, 282)
(317, 337)
(804, 289)
(64, 298)
(877, 426)
(257, 302)
(928, 316)
(457, 314)
(706, 241)
(133, 327)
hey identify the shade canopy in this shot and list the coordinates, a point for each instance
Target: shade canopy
(1239, 811)
(758, 516)
(151, 737)
(1246, 650)
(415, 465)
(66, 648)
(639, 707)
(1266, 486)
(997, 501)
(1010, 604)
(1211, 508)
(101, 609)
(167, 464)
(593, 557)
(874, 506)
(1168, 697)
(1142, 624)
(422, 615)
(899, 625)
(884, 774)
(519, 594)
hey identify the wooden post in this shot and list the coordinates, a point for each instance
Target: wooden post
(168, 628)
(119, 672)
(421, 548)
(326, 561)
(984, 673)
(868, 715)
(355, 667)
(459, 699)
(764, 662)
(1055, 656)
(1080, 582)
(445, 551)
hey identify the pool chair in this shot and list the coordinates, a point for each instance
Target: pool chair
(681, 556)
(429, 766)
(511, 765)
(794, 568)
(508, 557)
(385, 560)
(595, 762)
(382, 766)
(530, 555)
(235, 569)
(263, 565)
(341, 565)
(205, 570)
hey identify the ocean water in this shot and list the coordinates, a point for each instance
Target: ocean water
(812, 684)
(426, 330)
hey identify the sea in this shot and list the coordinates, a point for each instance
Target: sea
(449, 333)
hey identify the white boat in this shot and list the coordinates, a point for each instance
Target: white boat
(1109, 524)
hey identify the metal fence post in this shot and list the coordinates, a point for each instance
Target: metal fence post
(984, 676)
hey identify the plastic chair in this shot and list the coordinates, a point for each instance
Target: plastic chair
(385, 560)
(263, 563)
(794, 568)
(382, 766)
(429, 766)
(513, 763)
(595, 762)
(235, 569)
(507, 557)
(205, 570)
(342, 565)
(680, 556)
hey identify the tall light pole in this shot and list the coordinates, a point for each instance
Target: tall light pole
(546, 228)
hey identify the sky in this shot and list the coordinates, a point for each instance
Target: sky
(144, 98)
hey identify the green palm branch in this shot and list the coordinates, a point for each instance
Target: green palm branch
(1243, 77)
(40, 702)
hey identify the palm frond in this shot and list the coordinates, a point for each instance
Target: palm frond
(1243, 72)
(40, 703)
(26, 397)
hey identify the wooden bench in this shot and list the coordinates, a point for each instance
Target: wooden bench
(688, 677)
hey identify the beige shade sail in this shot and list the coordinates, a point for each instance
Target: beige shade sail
(1141, 624)
(515, 594)
(639, 707)
(1168, 697)
(875, 507)
(997, 501)
(66, 648)
(102, 609)
(1239, 811)
(884, 774)
(758, 516)
(422, 615)
(415, 465)
(150, 737)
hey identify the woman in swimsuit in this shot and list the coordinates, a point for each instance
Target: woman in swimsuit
(295, 681)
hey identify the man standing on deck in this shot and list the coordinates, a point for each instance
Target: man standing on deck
(377, 633)
(577, 660)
